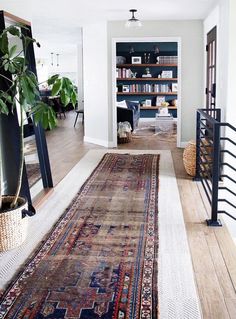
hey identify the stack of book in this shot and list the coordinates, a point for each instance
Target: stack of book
(168, 59)
(123, 73)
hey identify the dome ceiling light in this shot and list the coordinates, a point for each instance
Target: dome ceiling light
(133, 22)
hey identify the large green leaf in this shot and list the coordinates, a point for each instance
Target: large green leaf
(31, 79)
(4, 43)
(6, 66)
(27, 90)
(73, 98)
(56, 87)
(11, 68)
(18, 63)
(12, 51)
(14, 30)
(52, 79)
(5, 96)
(3, 107)
(65, 98)
(45, 115)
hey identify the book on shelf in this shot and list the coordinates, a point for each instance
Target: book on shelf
(148, 88)
(123, 73)
(168, 59)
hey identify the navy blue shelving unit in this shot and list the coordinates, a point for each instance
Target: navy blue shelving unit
(142, 88)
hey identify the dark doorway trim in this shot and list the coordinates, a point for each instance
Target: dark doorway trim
(211, 68)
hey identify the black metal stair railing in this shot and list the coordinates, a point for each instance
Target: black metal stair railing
(210, 161)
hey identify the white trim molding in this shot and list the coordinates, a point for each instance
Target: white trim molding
(99, 142)
(183, 144)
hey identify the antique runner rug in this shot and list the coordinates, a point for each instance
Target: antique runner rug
(100, 258)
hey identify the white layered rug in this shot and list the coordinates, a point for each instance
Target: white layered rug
(177, 293)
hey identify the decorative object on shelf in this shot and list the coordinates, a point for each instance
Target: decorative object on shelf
(136, 59)
(156, 54)
(167, 74)
(133, 75)
(125, 88)
(133, 22)
(174, 87)
(131, 49)
(156, 49)
(120, 60)
(165, 104)
(147, 74)
(124, 132)
(147, 57)
(174, 102)
(159, 100)
(148, 103)
(189, 158)
(163, 110)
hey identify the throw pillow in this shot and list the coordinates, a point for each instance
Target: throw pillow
(122, 104)
(132, 105)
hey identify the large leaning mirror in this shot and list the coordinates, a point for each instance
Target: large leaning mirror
(37, 168)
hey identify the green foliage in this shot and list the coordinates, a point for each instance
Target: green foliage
(24, 85)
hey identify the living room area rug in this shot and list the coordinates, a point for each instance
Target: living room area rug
(101, 258)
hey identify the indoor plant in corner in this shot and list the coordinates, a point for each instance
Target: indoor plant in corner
(22, 95)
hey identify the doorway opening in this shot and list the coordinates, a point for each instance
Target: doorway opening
(147, 72)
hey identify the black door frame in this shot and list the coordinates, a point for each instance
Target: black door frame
(211, 49)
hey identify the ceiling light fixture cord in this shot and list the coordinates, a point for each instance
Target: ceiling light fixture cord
(57, 59)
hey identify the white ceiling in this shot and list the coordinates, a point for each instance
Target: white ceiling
(59, 21)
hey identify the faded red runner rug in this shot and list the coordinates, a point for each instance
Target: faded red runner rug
(100, 259)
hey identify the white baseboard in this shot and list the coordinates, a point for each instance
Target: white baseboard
(98, 141)
(183, 144)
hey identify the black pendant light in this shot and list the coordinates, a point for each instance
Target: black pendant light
(133, 22)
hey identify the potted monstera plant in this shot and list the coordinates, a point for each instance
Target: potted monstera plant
(22, 95)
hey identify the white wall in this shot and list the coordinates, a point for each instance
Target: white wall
(68, 64)
(191, 34)
(80, 75)
(231, 102)
(95, 83)
(219, 18)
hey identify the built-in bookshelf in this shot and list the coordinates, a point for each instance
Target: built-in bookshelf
(152, 79)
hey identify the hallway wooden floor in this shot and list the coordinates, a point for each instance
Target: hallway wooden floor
(213, 251)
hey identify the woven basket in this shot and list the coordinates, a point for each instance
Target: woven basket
(189, 158)
(126, 139)
(13, 224)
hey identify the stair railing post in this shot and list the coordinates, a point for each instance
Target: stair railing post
(198, 138)
(214, 221)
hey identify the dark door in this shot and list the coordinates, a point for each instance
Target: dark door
(211, 69)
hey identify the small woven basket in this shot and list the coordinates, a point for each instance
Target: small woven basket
(189, 158)
(13, 225)
(126, 139)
